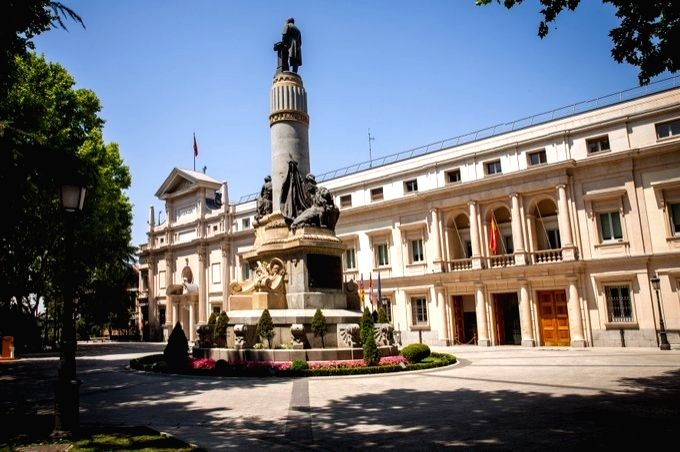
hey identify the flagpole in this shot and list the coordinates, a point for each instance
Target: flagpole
(194, 151)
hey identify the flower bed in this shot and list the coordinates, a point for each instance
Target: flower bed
(208, 366)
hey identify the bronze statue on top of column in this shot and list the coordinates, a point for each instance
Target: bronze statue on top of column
(289, 49)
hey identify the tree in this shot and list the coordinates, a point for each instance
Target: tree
(371, 352)
(177, 349)
(319, 326)
(22, 20)
(51, 126)
(265, 327)
(648, 36)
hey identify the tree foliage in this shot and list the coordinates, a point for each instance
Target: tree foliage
(265, 327)
(648, 36)
(371, 352)
(48, 130)
(177, 349)
(366, 325)
(220, 330)
(382, 315)
(319, 326)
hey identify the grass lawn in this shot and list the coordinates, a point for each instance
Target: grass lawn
(100, 438)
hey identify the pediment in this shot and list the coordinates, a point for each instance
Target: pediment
(181, 181)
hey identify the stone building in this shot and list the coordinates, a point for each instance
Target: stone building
(544, 231)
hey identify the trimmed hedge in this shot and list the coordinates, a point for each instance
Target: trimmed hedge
(415, 353)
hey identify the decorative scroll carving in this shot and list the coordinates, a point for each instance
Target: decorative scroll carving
(297, 330)
(348, 334)
(384, 334)
(240, 331)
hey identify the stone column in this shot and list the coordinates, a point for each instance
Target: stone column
(441, 305)
(517, 231)
(152, 307)
(192, 320)
(202, 286)
(435, 234)
(175, 317)
(575, 318)
(482, 324)
(289, 126)
(474, 236)
(225, 275)
(525, 321)
(569, 251)
(532, 240)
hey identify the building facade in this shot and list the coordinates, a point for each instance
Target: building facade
(544, 235)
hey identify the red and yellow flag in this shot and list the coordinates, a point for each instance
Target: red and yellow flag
(493, 239)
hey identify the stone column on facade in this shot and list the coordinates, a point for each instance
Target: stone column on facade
(152, 307)
(474, 236)
(568, 248)
(517, 231)
(482, 324)
(532, 240)
(192, 321)
(175, 311)
(575, 317)
(441, 304)
(202, 286)
(525, 321)
(225, 275)
(435, 234)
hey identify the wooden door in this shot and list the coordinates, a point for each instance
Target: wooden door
(554, 318)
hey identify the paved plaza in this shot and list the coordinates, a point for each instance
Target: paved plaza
(496, 398)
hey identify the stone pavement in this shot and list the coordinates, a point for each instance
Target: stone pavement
(498, 398)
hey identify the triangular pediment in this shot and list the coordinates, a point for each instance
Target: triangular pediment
(181, 181)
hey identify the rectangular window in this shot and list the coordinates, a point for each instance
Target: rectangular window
(674, 210)
(411, 186)
(598, 144)
(216, 273)
(537, 158)
(468, 249)
(509, 246)
(376, 194)
(619, 304)
(417, 254)
(350, 259)
(610, 226)
(453, 176)
(668, 129)
(161, 315)
(419, 310)
(382, 255)
(493, 167)
(245, 223)
(161, 279)
(346, 201)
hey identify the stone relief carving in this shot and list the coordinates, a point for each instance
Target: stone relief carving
(240, 331)
(348, 334)
(268, 277)
(384, 334)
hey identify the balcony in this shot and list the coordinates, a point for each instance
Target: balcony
(458, 265)
(546, 256)
(503, 260)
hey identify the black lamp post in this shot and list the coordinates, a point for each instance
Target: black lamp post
(663, 340)
(66, 393)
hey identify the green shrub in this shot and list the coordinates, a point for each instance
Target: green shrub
(382, 316)
(299, 365)
(415, 353)
(319, 326)
(366, 325)
(177, 350)
(212, 319)
(220, 329)
(265, 327)
(371, 353)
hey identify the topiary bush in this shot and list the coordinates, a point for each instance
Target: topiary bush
(220, 329)
(366, 325)
(265, 327)
(415, 353)
(371, 353)
(382, 316)
(176, 352)
(212, 319)
(319, 326)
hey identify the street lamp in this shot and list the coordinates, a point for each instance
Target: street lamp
(66, 391)
(663, 340)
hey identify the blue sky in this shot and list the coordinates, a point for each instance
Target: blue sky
(412, 72)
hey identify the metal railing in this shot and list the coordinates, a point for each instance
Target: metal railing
(499, 129)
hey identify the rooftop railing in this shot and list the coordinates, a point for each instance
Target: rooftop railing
(499, 129)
